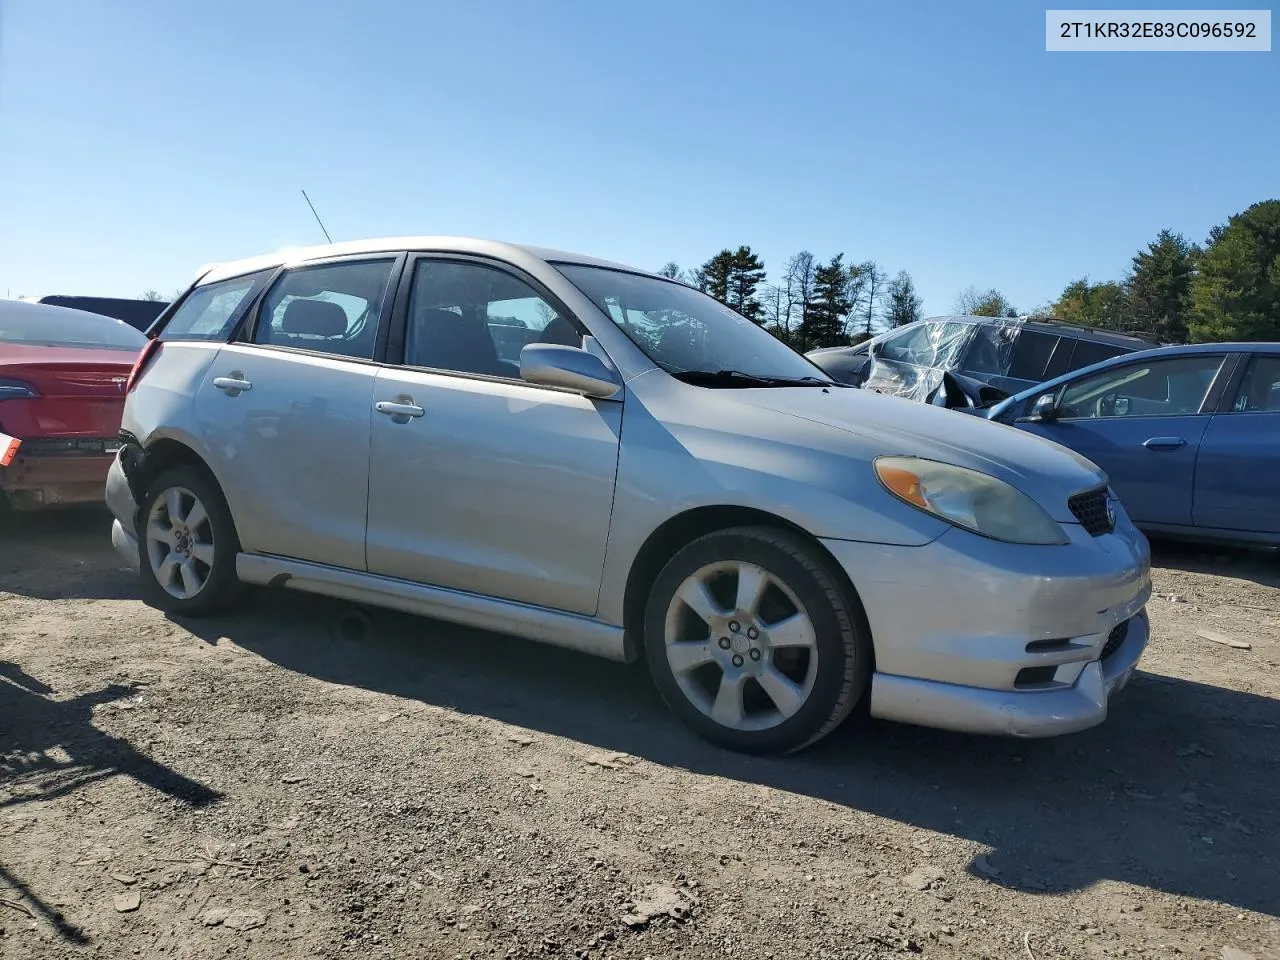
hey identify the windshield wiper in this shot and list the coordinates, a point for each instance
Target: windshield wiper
(737, 378)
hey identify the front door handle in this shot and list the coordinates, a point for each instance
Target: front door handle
(400, 410)
(233, 385)
(1164, 443)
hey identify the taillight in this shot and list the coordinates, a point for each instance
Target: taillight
(149, 353)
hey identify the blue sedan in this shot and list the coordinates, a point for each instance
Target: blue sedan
(1189, 435)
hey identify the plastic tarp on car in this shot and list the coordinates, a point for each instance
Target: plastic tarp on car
(910, 364)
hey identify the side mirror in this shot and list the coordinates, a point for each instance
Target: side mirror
(873, 348)
(1044, 410)
(555, 365)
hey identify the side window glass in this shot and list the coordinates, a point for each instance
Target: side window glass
(1089, 352)
(1162, 388)
(473, 318)
(1030, 355)
(211, 311)
(331, 308)
(928, 345)
(989, 349)
(1260, 389)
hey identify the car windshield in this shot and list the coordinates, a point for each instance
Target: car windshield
(689, 334)
(40, 325)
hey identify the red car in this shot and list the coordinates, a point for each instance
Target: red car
(63, 375)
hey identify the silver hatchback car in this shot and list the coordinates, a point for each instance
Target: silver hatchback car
(585, 454)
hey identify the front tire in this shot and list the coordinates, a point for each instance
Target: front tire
(754, 643)
(188, 545)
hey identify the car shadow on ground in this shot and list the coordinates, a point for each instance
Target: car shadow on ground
(63, 554)
(1177, 791)
(49, 747)
(1261, 565)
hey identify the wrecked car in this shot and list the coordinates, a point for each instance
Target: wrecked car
(1000, 355)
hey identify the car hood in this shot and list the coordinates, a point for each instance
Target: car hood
(883, 426)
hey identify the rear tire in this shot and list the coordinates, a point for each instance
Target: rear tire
(754, 643)
(188, 544)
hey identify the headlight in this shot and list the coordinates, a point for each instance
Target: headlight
(969, 499)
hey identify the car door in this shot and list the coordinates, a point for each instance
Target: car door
(1142, 423)
(479, 481)
(1238, 471)
(285, 409)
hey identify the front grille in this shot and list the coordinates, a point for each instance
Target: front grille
(1090, 508)
(1115, 638)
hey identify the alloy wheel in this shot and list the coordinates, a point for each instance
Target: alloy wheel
(179, 540)
(741, 646)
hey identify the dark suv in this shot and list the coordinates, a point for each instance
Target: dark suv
(1006, 354)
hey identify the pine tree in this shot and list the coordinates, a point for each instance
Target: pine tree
(745, 275)
(714, 275)
(824, 325)
(902, 305)
(671, 270)
(1159, 286)
(1235, 295)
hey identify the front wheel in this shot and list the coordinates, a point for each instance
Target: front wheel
(754, 643)
(188, 544)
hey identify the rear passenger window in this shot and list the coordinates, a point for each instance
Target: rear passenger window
(1030, 356)
(1260, 389)
(210, 312)
(330, 308)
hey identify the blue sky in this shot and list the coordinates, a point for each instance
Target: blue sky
(140, 139)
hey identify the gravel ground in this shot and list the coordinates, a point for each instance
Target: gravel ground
(278, 785)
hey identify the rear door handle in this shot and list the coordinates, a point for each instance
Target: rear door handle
(1164, 443)
(232, 385)
(399, 411)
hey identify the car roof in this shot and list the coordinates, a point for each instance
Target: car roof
(1050, 325)
(1179, 350)
(451, 244)
(51, 313)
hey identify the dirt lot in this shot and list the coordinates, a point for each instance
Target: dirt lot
(273, 785)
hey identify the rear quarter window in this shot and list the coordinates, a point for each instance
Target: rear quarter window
(211, 312)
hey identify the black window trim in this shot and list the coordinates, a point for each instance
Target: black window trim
(400, 315)
(246, 327)
(1208, 405)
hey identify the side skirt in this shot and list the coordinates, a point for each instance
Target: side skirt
(575, 632)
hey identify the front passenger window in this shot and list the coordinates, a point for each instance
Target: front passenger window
(469, 317)
(331, 308)
(1174, 386)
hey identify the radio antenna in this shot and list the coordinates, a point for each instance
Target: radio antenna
(317, 216)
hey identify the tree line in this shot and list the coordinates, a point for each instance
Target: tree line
(1174, 290)
(815, 303)
(1177, 291)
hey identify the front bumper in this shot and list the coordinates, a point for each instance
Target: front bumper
(37, 481)
(979, 636)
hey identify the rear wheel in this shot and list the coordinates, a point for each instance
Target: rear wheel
(188, 544)
(754, 643)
